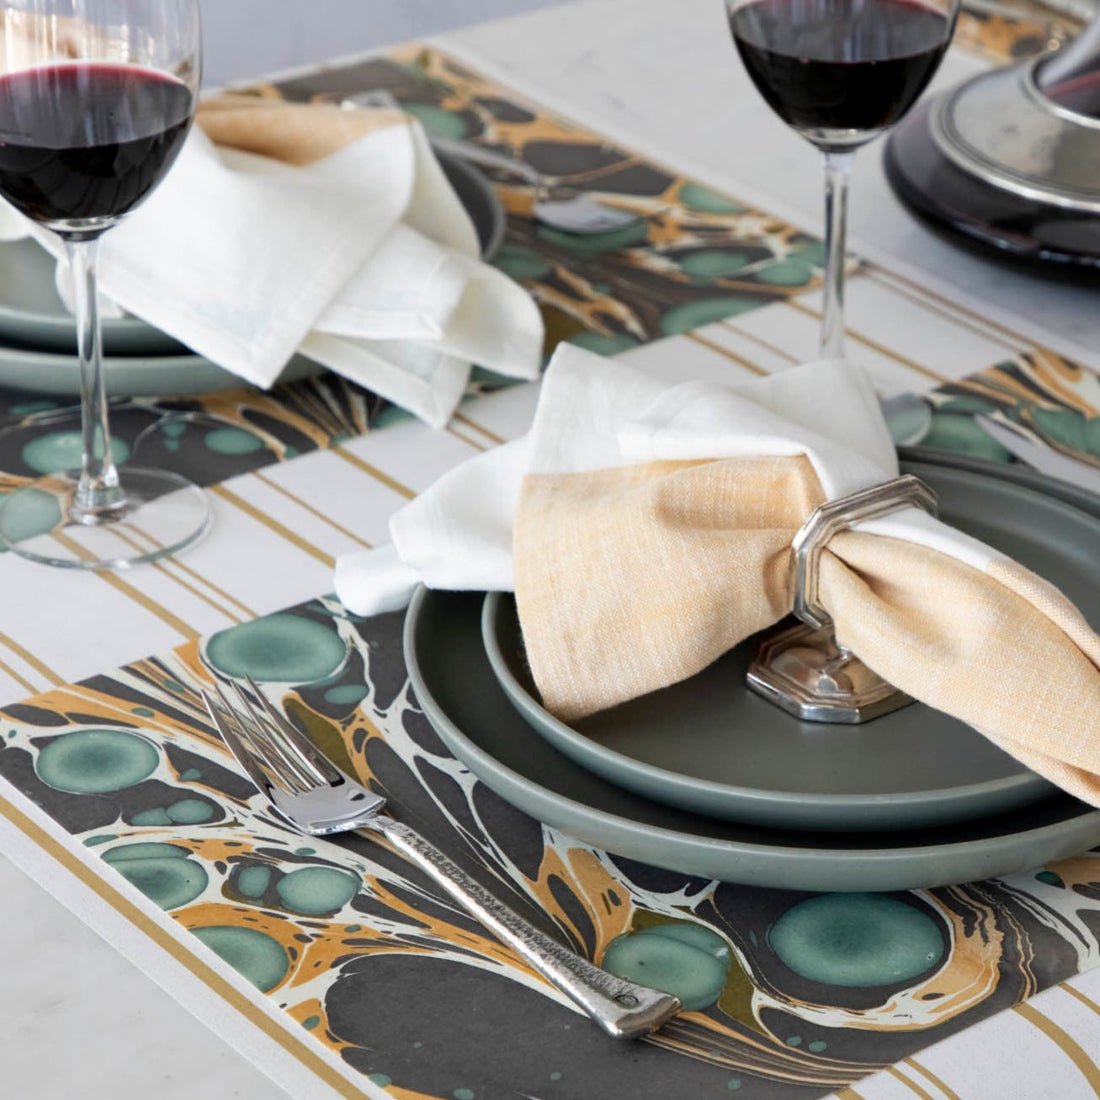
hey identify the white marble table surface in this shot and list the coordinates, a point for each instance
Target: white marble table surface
(77, 1019)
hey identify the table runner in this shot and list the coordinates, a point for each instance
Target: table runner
(767, 1032)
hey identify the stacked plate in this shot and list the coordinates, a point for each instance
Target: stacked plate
(38, 333)
(706, 778)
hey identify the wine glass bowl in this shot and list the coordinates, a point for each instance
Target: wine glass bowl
(840, 73)
(96, 100)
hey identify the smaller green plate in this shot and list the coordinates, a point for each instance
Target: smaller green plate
(33, 315)
(711, 746)
(46, 372)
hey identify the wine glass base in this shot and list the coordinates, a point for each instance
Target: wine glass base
(159, 514)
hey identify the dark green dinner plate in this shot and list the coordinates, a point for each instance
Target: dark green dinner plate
(465, 703)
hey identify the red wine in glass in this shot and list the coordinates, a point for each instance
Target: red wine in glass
(87, 140)
(839, 72)
(96, 100)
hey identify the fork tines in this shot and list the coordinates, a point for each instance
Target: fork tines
(269, 741)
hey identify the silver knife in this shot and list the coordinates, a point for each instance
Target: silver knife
(1044, 459)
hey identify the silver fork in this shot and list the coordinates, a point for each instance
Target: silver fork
(312, 794)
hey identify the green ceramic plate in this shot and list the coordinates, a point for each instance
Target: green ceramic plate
(140, 360)
(32, 314)
(463, 700)
(711, 746)
(128, 375)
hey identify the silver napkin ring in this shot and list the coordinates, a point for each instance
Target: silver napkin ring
(838, 515)
(804, 669)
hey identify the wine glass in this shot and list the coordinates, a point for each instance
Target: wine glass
(96, 99)
(840, 72)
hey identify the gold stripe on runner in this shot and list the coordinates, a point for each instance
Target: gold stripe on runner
(1066, 1042)
(29, 658)
(273, 525)
(260, 476)
(849, 1094)
(925, 1072)
(373, 471)
(463, 419)
(10, 672)
(452, 430)
(731, 355)
(899, 1076)
(1087, 1001)
(874, 345)
(206, 582)
(127, 589)
(127, 536)
(934, 303)
(767, 345)
(214, 981)
(923, 292)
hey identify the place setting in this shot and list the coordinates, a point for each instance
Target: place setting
(669, 716)
(748, 763)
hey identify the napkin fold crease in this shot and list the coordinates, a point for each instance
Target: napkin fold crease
(646, 529)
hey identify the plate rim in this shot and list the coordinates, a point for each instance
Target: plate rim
(602, 760)
(755, 862)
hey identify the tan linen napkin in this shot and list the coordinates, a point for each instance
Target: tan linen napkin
(636, 566)
(646, 529)
(295, 133)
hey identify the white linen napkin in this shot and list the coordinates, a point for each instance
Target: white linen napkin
(333, 233)
(596, 413)
(646, 529)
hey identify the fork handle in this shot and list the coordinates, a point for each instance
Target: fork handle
(624, 1010)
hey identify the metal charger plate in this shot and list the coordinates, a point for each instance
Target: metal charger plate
(140, 360)
(462, 699)
(975, 215)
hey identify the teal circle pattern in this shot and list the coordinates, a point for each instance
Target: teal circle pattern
(282, 648)
(96, 761)
(144, 850)
(669, 964)
(254, 955)
(167, 882)
(37, 513)
(695, 935)
(232, 441)
(317, 890)
(189, 811)
(60, 451)
(856, 940)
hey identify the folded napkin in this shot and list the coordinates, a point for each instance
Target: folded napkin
(646, 529)
(290, 227)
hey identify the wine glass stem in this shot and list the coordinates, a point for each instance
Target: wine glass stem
(838, 171)
(98, 491)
